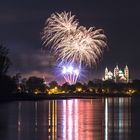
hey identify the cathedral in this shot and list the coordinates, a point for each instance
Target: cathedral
(118, 76)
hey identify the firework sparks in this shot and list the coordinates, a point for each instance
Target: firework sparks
(70, 74)
(59, 26)
(84, 47)
(72, 43)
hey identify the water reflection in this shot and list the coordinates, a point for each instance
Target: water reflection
(82, 119)
(117, 118)
(76, 119)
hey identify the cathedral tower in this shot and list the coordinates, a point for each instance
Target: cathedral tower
(106, 73)
(116, 73)
(126, 73)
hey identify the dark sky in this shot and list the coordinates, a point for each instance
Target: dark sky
(21, 23)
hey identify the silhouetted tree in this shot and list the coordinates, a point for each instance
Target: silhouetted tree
(7, 85)
(35, 83)
(23, 85)
(90, 84)
(66, 87)
(136, 84)
(79, 85)
(108, 86)
(72, 88)
(53, 84)
(17, 78)
(4, 60)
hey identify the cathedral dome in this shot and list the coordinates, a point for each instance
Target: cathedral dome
(121, 73)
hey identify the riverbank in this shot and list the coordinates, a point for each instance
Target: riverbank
(25, 96)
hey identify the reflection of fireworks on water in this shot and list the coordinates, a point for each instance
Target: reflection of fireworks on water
(70, 74)
(72, 43)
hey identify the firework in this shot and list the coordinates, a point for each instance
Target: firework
(72, 43)
(57, 27)
(70, 74)
(85, 47)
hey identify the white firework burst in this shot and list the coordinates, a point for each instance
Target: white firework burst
(57, 27)
(72, 43)
(85, 46)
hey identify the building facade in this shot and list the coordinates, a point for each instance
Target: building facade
(118, 76)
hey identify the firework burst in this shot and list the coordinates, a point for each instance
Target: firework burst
(70, 74)
(72, 43)
(57, 27)
(83, 47)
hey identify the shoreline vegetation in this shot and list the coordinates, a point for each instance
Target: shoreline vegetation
(43, 96)
(35, 88)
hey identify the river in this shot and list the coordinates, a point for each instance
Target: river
(73, 119)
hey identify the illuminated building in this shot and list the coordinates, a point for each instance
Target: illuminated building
(118, 75)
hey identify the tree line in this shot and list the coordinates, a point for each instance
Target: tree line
(36, 85)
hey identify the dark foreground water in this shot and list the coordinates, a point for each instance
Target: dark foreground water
(75, 119)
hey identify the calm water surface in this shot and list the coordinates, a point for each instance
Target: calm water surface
(75, 119)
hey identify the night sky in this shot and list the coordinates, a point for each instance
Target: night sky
(21, 24)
